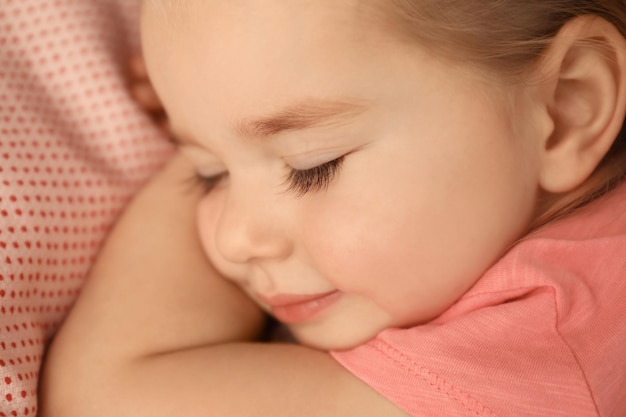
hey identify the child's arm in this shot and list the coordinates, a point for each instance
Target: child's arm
(156, 332)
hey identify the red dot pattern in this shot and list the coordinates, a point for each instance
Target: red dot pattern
(73, 149)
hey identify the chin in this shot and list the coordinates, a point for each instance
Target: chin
(332, 339)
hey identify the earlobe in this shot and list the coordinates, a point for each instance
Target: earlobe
(586, 101)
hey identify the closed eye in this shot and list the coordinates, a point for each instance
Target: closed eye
(299, 182)
(206, 184)
(314, 179)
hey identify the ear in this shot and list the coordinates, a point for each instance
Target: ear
(584, 93)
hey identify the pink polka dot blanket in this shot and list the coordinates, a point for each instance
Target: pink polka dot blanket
(73, 148)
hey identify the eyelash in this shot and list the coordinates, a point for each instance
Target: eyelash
(299, 182)
(317, 178)
(206, 184)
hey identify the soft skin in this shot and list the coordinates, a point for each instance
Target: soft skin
(411, 220)
(442, 169)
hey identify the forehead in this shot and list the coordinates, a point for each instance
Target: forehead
(245, 13)
(264, 29)
(256, 48)
(167, 6)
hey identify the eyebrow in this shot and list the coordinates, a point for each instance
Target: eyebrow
(303, 115)
(300, 116)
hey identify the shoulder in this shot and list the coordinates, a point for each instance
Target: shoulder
(545, 323)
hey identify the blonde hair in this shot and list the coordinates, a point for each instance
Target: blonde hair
(508, 37)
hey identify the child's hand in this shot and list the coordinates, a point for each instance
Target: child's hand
(142, 91)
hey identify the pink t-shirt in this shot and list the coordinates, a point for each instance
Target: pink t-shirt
(543, 332)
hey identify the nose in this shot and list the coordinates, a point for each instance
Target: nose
(252, 227)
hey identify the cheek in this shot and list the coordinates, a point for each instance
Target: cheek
(206, 220)
(364, 247)
(394, 260)
(347, 253)
(207, 217)
(398, 242)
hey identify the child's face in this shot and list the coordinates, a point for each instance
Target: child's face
(437, 178)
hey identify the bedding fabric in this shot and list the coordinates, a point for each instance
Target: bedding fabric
(73, 149)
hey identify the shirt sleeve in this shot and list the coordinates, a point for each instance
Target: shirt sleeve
(541, 334)
(504, 360)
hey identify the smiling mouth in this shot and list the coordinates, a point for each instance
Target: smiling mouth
(291, 309)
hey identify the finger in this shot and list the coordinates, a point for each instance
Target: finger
(146, 97)
(137, 67)
(163, 124)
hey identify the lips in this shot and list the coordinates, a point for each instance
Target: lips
(292, 308)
